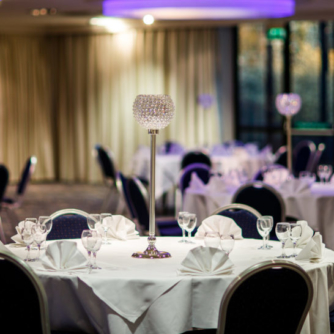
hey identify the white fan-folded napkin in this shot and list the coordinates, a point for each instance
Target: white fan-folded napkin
(205, 261)
(294, 186)
(313, 249)
(216, 184)
(63, 255)
(196, 182)
(220, 224)
(17, 237)
(4, 248)
(120, 228)
(307, 233)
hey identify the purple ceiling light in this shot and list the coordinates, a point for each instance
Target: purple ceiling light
(199, 9)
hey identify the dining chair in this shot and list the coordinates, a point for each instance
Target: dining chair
(24, 306)
(28, 170)
(263, 198)
(171, 147)
(105, 159)
(303, 156)
(195, 157)
(281, 156)
(68, 224)
(121, 184)
(4, 178)
(244, 216)
(269, 297)
(139, 201)
(2, 233)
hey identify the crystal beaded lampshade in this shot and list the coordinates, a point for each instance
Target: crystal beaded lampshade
(153, 112)
(288, 104)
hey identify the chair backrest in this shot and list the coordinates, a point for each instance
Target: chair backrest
(121, 184)
(171, 147)
(26, 175)
(195, 157)
(281, 156)
(68, 224)
(258, 296)
(106, 162)
(317, 157)
(24, 307)
(202, 171)
(303, 156)
(139, 201)
(4, 178)
(244, 216)
(2, 233)
(263, 198)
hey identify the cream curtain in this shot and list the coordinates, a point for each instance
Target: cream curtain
(99, 78)
(60, 95)
(25, 106)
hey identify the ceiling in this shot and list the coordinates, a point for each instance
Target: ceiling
(15, 15)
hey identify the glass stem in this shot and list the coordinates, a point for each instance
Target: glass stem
(183, 234)
(89, 258)
(39, 251)
(283, 249)
(105, 237)
(28, 253)
(94, 263)
(264, 242)
(189, 236)
(294, 248)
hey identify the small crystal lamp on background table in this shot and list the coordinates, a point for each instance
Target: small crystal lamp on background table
(288, 105)
(153, 112)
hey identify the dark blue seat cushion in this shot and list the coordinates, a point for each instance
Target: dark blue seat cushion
(67, 227)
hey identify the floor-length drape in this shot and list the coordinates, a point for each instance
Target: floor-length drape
(99, 77)
(26, 106)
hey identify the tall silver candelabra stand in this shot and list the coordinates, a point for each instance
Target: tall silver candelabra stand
(153, 112)
(288, 105)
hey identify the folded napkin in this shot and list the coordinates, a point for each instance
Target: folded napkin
(240, 152)
(313, 249)
(307, 233)
(216, 184)
(220, 224)
(276, 176)
(196, 182)
(205, 261)
(295, 186)
(17, 237)
(4, 248)
(120, 228)
(62, 256)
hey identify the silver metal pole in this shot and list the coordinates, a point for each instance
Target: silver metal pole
(289, 142)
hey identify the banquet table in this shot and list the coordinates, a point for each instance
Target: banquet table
(315, 206)
(142, 296)
(168, 167)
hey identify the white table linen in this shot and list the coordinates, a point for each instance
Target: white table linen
(190, 301)
(316, 207)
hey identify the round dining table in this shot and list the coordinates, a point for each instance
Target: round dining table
(144, 296)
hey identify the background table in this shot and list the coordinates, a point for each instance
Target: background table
(188, 302)
(316, 207)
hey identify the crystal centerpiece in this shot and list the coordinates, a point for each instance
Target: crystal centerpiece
(288, 104)
(153, 111)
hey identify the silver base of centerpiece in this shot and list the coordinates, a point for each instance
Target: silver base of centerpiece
(151, 252)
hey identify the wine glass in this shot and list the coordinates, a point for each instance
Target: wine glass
(47, 222)
(88, 239)
(324, 172)
(96, 248)
(27, 235)
(106, 222)
(307, 176)
(283, 234)
(212, 239)
(190, 220)
(39, 233)
(264, 225)
(181, 224)
(271, 224)
(227, 243)
(92, 220)
(295, 234)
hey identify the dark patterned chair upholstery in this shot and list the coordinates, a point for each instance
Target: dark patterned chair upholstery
(68, 224)
(303, 156)
(106, 162)
(195, 157)
(244, 216)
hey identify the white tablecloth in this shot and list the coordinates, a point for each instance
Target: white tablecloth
(168, 167)
(316, 206)
(188, 302)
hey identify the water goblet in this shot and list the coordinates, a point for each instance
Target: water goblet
(39, 233)
(307, 176)
(328, 170)
(88, 239)
(27, 235)
(189, 225)
(96, 248)
(212, 239)
(92, 220)
(324, 172)
(47, 222)
(106, 222)
(283, 234)
(181, 224)
(227, 243)
(295, 234)
(271, 224)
